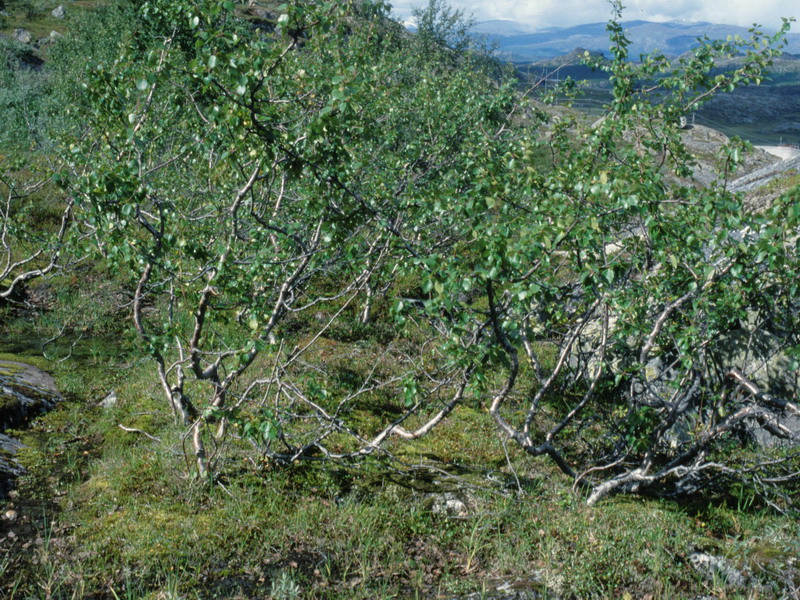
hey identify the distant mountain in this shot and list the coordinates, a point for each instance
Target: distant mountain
(502, 28)
(576, 57)
(519, 44)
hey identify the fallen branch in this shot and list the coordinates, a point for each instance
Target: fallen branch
(144, 433)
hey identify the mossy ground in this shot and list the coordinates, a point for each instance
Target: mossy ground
(36, 16)
(105, 513)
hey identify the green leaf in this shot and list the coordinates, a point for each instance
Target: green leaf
(410, 391)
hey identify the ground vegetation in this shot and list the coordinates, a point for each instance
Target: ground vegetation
(359, 270)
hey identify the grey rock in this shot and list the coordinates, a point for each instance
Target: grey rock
(449, 504)
(761, 436)
(58, 12)
(761, 356)
(716, 568)
(20, 401)
(22, 35)
(9, 445)
(109, 401)
(757, 353)
(761, 177)
(10, 468)
(261, 18)
(31, 62)
(25, 392)
(261, 13)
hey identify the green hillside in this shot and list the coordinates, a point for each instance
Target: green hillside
(337, 311)
(766, 114)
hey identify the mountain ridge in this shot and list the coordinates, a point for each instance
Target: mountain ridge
(672, 38)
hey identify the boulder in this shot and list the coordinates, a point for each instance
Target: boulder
(22, 35)
(760, 355)
(753, 350)
(25, 392)
(58, 12)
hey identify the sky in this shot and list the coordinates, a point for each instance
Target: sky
(540, 14)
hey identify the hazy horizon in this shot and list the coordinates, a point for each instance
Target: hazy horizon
(564, 13)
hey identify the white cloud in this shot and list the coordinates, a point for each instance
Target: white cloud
(560, 13)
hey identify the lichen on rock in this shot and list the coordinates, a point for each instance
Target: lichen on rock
(25, 393)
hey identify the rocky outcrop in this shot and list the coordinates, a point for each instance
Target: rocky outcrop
(25, 392)
(761, 177)
(10, 469)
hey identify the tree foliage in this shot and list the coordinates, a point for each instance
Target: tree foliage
(261, 188)
(247, 179)
(37, 237)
